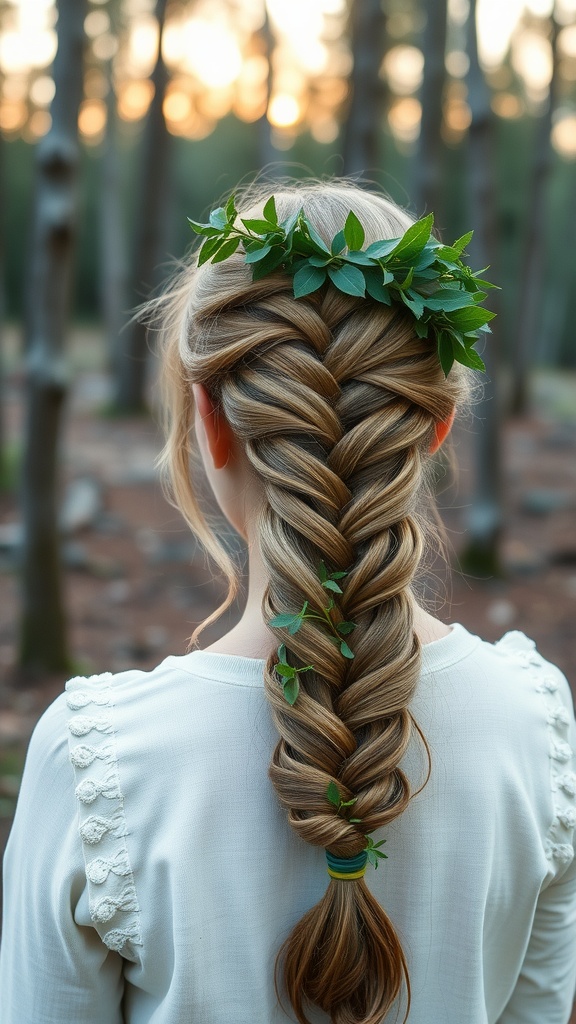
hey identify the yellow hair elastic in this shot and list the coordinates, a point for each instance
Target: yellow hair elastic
(347, 868)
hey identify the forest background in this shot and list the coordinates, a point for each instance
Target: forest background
(121, 118)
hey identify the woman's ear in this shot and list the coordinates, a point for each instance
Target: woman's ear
(219, 437)
(441, 431)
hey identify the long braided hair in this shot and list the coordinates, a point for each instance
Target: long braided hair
(335, 401)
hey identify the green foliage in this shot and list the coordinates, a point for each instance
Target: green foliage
(429, 278)
(292, 622)
(373, 852)
(334, 797)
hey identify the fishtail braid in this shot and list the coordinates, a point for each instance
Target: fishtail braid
(335, 400)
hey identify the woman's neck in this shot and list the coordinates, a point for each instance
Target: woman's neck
(251, 637)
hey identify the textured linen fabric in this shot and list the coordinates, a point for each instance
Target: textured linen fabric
(153, 879)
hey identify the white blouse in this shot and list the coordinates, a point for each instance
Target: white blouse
(153, 880)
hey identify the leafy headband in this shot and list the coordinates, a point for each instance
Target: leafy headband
(429, 278)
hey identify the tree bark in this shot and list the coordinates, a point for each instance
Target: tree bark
(113, 262)
(529, 320)
(43, 645)
(362, 129)
(484, 526)
(427, 165)
(149, 231)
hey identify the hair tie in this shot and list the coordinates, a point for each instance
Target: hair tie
(347, 867)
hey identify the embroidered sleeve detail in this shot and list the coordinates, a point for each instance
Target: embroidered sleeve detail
(102, 824)
(559, 842)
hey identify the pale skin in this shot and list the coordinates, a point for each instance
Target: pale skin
(237, 492)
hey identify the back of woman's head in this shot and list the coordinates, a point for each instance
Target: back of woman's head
(335, 401)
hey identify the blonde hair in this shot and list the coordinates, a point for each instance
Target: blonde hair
(335, 400)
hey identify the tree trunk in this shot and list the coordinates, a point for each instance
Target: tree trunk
(484, 525)
(427, 165)
(149, 231)
(43, 644)
(363, 129)
(113, 262)
(270, 160)
(4, 469)
(529, 320)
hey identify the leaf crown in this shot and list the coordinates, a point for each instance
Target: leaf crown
(428, 278)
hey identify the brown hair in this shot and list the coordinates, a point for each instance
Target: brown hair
(335, 400)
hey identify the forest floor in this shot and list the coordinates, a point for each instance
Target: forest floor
(136, 584)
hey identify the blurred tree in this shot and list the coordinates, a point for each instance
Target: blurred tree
(428, 157)
(269, 155)
(3, 448)
(113, 264)
(362, 130)
(130, 396)
(484, 526)
(43, 634)
(529, 321)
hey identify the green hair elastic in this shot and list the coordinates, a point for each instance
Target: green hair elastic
(347, 867)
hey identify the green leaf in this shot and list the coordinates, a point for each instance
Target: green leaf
(315, 237)
(231, 211)
(282, 620)
(472, 359)
(332, 585)
(348, 803)
(226, 250)
(338, 575)
(359, 259)
(257, 254)
(421, 329)
(317, 261)
(218, 218)
(354, 821)
(414, 302)
(377, 250)
(376, 288)
(470, 319)
(333, 793)
(345, 650)
(295, 625)
(460, 244)
(270, 211)
(291, 690)
(407, 280)
(268, 263)
(348, 279)
(445, 352)
(210, 247)
(285, 670)
(329, 608)
(353, 232)
(414, 239)
(261, 227)
(447, 299)
(345, 627)
(202, 229)
(338, 243)
(282, 653)
(308, 279)
(322, 571)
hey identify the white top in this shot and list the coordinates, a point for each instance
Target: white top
(153, 881)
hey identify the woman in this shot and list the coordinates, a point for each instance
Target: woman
(216, 792)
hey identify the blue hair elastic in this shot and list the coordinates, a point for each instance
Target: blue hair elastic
(347, 867)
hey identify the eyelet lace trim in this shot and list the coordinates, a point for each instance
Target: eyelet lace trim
(559, 843)
(113, 902)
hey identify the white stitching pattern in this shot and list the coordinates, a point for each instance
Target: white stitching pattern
(111, 890)
(523, 652)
